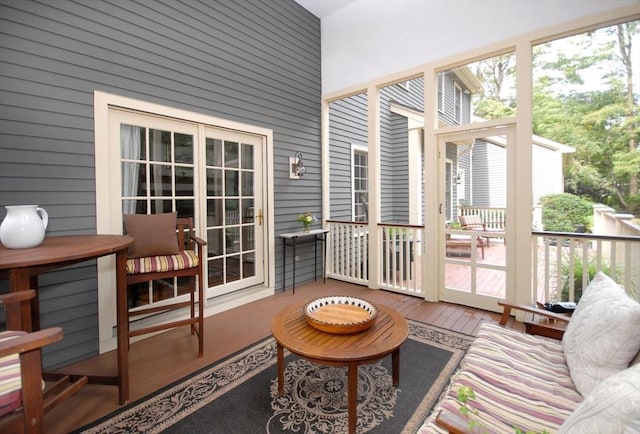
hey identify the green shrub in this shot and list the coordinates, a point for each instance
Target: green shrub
(563, 212)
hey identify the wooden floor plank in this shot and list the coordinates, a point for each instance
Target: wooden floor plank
(160, 360)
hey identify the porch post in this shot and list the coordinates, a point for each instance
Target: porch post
(373, 138)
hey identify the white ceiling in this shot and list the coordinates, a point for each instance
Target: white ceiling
(322, 8)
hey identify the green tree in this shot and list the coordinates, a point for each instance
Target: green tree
(563, 212)
(602, 124)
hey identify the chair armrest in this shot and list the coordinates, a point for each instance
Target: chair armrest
(14, 297)
(199, 241)
(530, 309)
(30, 341)
(453, 422)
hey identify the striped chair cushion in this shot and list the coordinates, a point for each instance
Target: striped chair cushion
(519, 380)
(152, 264)
(10, 380)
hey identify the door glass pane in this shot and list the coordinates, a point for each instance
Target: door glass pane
(214, 152)
(184, 148)
(160, 180)
(214, 182)
(247, 156)
(184, 181)
(247, 183)
(231, 187)
(160, 145)
(231, 152)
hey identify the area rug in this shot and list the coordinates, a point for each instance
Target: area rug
(239, 394)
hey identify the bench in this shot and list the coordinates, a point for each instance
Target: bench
(587, 382)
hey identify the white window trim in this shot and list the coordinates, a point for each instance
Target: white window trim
(457, 103)
(441, 92)
(356, 148)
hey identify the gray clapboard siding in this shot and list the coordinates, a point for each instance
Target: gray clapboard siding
(248, 61)
(489, 175)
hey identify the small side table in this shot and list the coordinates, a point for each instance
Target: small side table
(291, 239)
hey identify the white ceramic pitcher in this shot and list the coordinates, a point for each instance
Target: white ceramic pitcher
(23, 227)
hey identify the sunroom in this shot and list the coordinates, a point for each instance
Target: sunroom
(244, 87)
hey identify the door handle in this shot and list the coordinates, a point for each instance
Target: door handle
(259, 216)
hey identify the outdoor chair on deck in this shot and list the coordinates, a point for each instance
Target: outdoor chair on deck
(475, 223)
(23, 397)
(165, 247)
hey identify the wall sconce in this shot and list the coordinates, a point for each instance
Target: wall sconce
(458, 179)
(297, 166)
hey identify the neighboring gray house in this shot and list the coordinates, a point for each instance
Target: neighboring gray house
(401, 148)
(475, 173)
(488, 170)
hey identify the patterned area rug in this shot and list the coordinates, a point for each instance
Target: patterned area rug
(239, 394)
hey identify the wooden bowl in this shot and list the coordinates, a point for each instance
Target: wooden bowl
(340, 314)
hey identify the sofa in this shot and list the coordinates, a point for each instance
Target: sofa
(587, 382)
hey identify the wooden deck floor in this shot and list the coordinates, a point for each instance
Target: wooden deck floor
(162, 359)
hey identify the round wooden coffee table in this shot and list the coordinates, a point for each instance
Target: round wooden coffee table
(291, 331)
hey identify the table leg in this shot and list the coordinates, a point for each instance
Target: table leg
(352, 397)
(395, 367)
(284, 265)
(294, 266)
(315, 257)
(122, 322)
(19, 315)
(324, 257)
(280, 353)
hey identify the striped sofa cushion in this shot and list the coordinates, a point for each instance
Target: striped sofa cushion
(10, 380)
(151, 264)
(519, 381)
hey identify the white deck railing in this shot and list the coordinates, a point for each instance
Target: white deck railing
(562, 263)
(399, 270)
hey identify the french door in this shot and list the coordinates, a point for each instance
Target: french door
(233, 210)
(213, 175)
(475, 181)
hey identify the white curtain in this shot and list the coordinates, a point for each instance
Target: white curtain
(129, 150)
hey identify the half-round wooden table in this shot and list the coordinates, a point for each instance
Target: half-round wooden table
(291, 331)
(22, 267)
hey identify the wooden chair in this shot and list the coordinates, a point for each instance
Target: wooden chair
(537, 320)
(473, 223)
(23, 399)
(186, 261)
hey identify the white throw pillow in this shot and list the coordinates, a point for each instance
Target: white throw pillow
(603, 335)
(612, 407)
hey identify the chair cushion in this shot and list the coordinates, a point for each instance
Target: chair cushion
(602, 337)
(154, 234)
(153, 264)
(613, 406)
(10, 380)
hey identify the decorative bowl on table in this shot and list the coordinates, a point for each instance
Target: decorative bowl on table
(340, 314)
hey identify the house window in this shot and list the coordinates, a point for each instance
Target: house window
(441, 92)
(457, 102)
(360, 183)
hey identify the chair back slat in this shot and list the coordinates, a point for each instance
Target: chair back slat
(184, 226)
